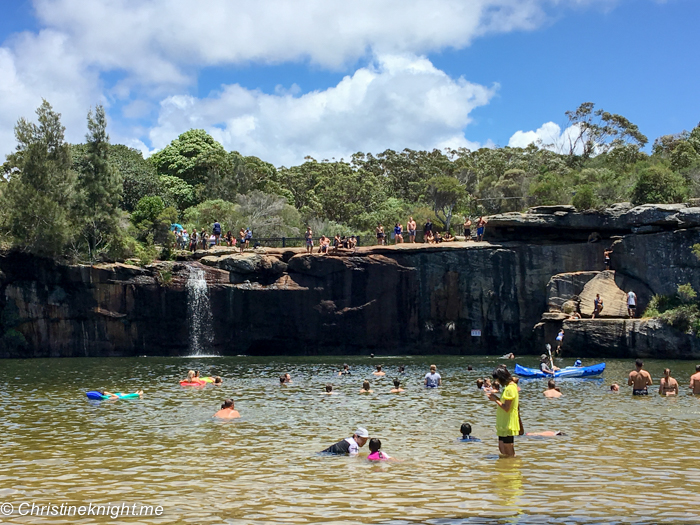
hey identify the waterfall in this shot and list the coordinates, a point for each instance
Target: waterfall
(199, 316)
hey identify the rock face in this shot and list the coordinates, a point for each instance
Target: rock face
(564, 223)
(408, 299)
(628, 338)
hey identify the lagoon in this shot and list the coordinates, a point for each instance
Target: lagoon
(623, 460)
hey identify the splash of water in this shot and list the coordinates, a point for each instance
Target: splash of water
(199, 315)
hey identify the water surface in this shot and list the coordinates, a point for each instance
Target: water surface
(623, 460)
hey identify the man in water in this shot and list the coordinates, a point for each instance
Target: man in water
(668, 386)
(349, 446)
(639, 379)
(544, 367)
(329, 389)
(228, 411)
(551, 390)
(345, 371)
(631, 304)
(379, 372)
(433, 379)
(695, 381)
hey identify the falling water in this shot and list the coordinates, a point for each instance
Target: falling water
(199, 316)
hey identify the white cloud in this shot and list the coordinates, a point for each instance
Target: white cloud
(549, 136)
(398, 102)
(157, 48)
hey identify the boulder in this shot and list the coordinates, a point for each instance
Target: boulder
(614, 299)
(565, 287)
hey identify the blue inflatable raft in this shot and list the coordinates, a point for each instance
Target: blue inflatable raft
(569, 371)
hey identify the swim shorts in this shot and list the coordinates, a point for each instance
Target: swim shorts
(479, 231)
(640, 392)
(506, 439)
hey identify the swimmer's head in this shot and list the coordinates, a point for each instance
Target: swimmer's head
(667, 372)
(196, 373)
(479, 383)
(282, 379)
(639, 363)
(379, 368)
(496, 385)
(361, 436)
(516, 380)
(697, 368)
(101, 392)
(465, 429)
(329, 388)
(218, 380)
(365, 385)
(228, 403)
(401, 369)
(551, 384)
(190, 374)
(374, 444)
(469, 367)
(345, 367)
(614, 387)
(397, 383)
(433, 368)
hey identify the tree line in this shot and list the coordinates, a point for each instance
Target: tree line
(103, 201)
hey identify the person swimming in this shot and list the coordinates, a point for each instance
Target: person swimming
(379, 371)
(227, 410)
(218, 380)
(466, 430)
(479, 384)
(329, 389)
(365, 388)
(397, 387)
(345, 371)
(375, 454)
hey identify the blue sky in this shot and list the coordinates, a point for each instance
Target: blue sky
(281, 80)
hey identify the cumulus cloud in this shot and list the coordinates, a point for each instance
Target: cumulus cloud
(157, 48)
(397, 102)
(549, 136)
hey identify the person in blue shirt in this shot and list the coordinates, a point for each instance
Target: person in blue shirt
(466, 430)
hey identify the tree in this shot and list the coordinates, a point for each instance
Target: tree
(658, 184)
(445, 194)
(99, 189)
(138, 175)
(183, 157)
(152, 219)
(585, 198)
(40, 185)
(176, 192)
(599, 131)
(268, 215)
(206, 213)
(549, 189)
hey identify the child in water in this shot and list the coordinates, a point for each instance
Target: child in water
(374, 453)
(466, 430)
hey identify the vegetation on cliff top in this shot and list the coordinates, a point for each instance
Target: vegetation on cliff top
(97, 200)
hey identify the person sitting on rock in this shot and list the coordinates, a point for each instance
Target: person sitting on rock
(597, 306)
(429, 237)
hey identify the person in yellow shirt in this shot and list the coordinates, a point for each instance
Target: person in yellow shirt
(507, 424)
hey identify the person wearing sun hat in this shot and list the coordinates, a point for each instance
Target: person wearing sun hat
(349, 445)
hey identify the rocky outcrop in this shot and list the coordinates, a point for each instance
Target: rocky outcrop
(407, 299)
(628, 338)
(555, 223)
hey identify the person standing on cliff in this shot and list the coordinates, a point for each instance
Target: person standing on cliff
(606, 257)
(411, 227)
(480, 229)
(428, 230)
(309, 235)
(631, 304)
(216, 231)
(695, 381)
(639, 379)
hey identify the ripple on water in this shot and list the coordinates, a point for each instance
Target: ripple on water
(623, 460)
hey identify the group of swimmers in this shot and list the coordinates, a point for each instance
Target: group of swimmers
(640, 381)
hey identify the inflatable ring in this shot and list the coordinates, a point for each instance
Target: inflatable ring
(193, 383)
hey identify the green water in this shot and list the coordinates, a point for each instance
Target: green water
(623, 460)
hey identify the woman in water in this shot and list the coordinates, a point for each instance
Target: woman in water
(507, 424)
(365, 388)
(397, 387)
(227, 410)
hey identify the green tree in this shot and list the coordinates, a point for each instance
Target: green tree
(40, 185)
(152, 220)
(445, 194)
(658, 184)
(206, 213)
(99, 188)
(184, 156)
(549, 189)
(585, 198)
(176, 192)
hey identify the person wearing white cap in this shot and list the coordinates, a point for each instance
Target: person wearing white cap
(349, 445)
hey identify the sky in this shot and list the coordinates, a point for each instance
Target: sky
(283, 79)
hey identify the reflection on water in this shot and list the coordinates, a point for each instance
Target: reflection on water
(623, 460)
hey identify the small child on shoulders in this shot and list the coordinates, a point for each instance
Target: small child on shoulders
(375, 453)
(466, 430)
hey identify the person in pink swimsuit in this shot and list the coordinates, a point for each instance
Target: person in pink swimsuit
(375, 454)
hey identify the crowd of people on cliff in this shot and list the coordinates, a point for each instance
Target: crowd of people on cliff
(205, 239)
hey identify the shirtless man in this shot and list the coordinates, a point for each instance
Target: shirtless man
(552, 390)
(639, 379)
(695, 381)
(379, 371)
(309, 235)
(227, 410)
(668, 386)
(467, 229)
(411, 227)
